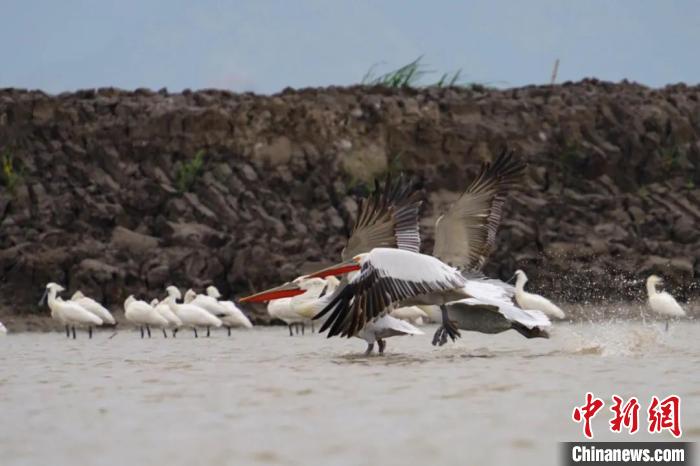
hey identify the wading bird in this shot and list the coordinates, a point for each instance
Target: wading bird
(93, 306)
(298, 310)
(68, 313)
(142, 314)
(165, 312)
(534, 301)
(192, 316)
(234, 317)
(662, 303)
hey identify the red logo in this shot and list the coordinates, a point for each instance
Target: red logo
(627, 415)
(586, 412)
(665, 415)
(662, 414)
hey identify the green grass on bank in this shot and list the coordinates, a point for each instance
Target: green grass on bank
(415, 74)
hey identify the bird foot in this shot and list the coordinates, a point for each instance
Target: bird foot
(443, 331)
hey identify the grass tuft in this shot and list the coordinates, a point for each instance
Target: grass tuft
(9, 176)
(189, 172)
(412, 75)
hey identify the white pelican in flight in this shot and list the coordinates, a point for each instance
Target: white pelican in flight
(389, 277)
(68, 313)
(93, 306)
(465, 236)
(662, 303)
(534, 301)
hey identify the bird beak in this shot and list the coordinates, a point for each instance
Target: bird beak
(284, 291)
(338, 269)
(43, 297)
(510, 280)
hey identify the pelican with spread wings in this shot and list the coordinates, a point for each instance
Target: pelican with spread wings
(384, 268)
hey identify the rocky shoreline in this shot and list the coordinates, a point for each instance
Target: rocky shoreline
(105, 191)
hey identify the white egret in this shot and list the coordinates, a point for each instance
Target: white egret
(143, 315)
(93, 306)
(68, 313)
(534, 301)
(662, 303)
(192, 316)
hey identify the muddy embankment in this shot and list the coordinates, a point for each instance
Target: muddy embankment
(101, 198)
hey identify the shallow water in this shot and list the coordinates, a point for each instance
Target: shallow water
(262, 397)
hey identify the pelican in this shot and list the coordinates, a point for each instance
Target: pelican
(662, 303)
(389, 277)
(411, 314)
(93, 306)
(233, 316)
(68, 313)
(464, 237)
(164, 310)
(192, 316)
(3, 330)
(143, 314)
(534, 301)
(298, 301)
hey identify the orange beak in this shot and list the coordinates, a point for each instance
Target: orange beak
(283, 291)
(338, 269)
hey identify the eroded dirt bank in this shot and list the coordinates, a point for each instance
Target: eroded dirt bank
(100, 200)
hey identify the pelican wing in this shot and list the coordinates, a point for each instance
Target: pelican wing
(388, 218)
(387, 277)
(466, 233)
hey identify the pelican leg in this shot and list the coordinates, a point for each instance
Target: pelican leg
(667, 325)
(141, 332)
(208, 332)
(73, 329)
(174, 332)
(447, 328)
(290, 329)
(229, 330)
(67, 331)
(312, 327)
(370, 348)
(148, 329)
(382, 345)
(165, 334)
(303, 326)
(195, 332)
(90, 331)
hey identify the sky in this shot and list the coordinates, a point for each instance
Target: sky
(265, 45)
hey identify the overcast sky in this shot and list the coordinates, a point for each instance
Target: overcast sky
(264, 46)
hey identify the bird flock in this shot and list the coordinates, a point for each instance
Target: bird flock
(383, 286)
(198, 311)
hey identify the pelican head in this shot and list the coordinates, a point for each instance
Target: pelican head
(77, 295)
(213, 292)
(190, 295)
(173, 292)
(130, 299)
(154, 302)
